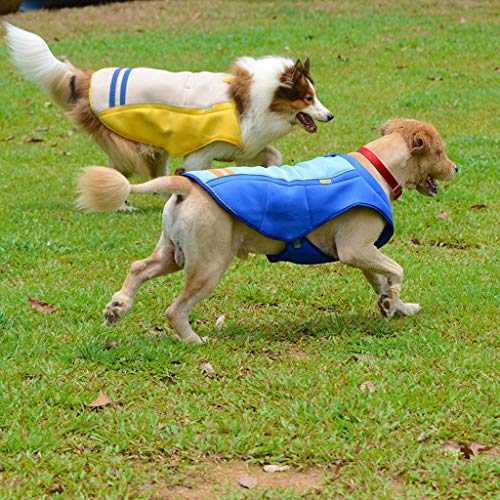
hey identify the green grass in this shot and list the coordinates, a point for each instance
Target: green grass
(296, 342)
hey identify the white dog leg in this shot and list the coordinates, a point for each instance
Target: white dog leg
(371, 261)
(267, 157)
(200, 281)
(159, 263)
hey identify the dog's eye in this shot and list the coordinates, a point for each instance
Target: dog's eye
(309, 98)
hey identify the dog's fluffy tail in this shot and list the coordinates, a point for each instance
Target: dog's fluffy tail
(105, 189)
(32, 56)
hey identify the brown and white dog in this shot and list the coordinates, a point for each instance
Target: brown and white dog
(202, 238)
(267, 97)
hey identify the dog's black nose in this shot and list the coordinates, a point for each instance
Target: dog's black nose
(456, 169)
(329, 117)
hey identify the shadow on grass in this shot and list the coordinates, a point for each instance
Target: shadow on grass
(155, 350)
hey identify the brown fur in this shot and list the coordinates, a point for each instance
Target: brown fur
(202, 238)
(295, 89)
(240, 87)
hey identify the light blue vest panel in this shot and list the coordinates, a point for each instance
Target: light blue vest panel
(286, 203)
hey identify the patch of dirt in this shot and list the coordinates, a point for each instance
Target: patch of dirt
(216, 480)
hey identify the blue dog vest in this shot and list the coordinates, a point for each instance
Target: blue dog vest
(286, 203)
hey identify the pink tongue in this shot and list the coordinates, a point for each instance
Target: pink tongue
(307, 122)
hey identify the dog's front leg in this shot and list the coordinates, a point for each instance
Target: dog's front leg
(266, 158)
(383, 274)
(160, 262)
(356, 231)
(380, 285)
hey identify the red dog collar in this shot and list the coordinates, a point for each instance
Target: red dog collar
(383, 170)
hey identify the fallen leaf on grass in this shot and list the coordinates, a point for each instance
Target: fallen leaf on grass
(206, 367)
(248, 482)
(478, 449)
(102, 400)
(414, 242)
(468, 451)
(423, 437)
(479, 206)
(367, 386)
(111, 344)
(442, 215)
(220, 320)
(41, 306)
(275, 468)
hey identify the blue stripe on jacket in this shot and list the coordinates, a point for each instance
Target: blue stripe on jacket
(112, 88)
(123, 88)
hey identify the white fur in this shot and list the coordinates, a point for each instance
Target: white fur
(259, 125)
(33, 57)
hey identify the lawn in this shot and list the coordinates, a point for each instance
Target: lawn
(300, 370)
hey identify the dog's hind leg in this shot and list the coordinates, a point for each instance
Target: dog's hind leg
(200, 281)
(157, 160)
(160, 262)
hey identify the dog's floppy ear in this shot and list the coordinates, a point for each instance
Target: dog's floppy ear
(418, 142)
(418, 137)
(391, 126)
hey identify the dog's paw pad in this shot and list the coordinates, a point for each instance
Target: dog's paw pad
(114, 311)
(385, 304)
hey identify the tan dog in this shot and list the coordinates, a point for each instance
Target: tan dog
(202, 238)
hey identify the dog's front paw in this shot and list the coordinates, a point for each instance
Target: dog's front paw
(407, 309)
(125, 207)
(116, 309)
(385, 305)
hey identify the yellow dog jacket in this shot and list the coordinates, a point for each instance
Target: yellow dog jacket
(180, 112)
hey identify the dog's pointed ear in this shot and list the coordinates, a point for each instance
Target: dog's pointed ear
(290, 75)
(307, 66)
(286, 79)
(298, 70)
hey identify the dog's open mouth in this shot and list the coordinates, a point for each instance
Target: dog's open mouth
(432, 186)
(307, 122)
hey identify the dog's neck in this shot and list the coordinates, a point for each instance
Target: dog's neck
(393, 152)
